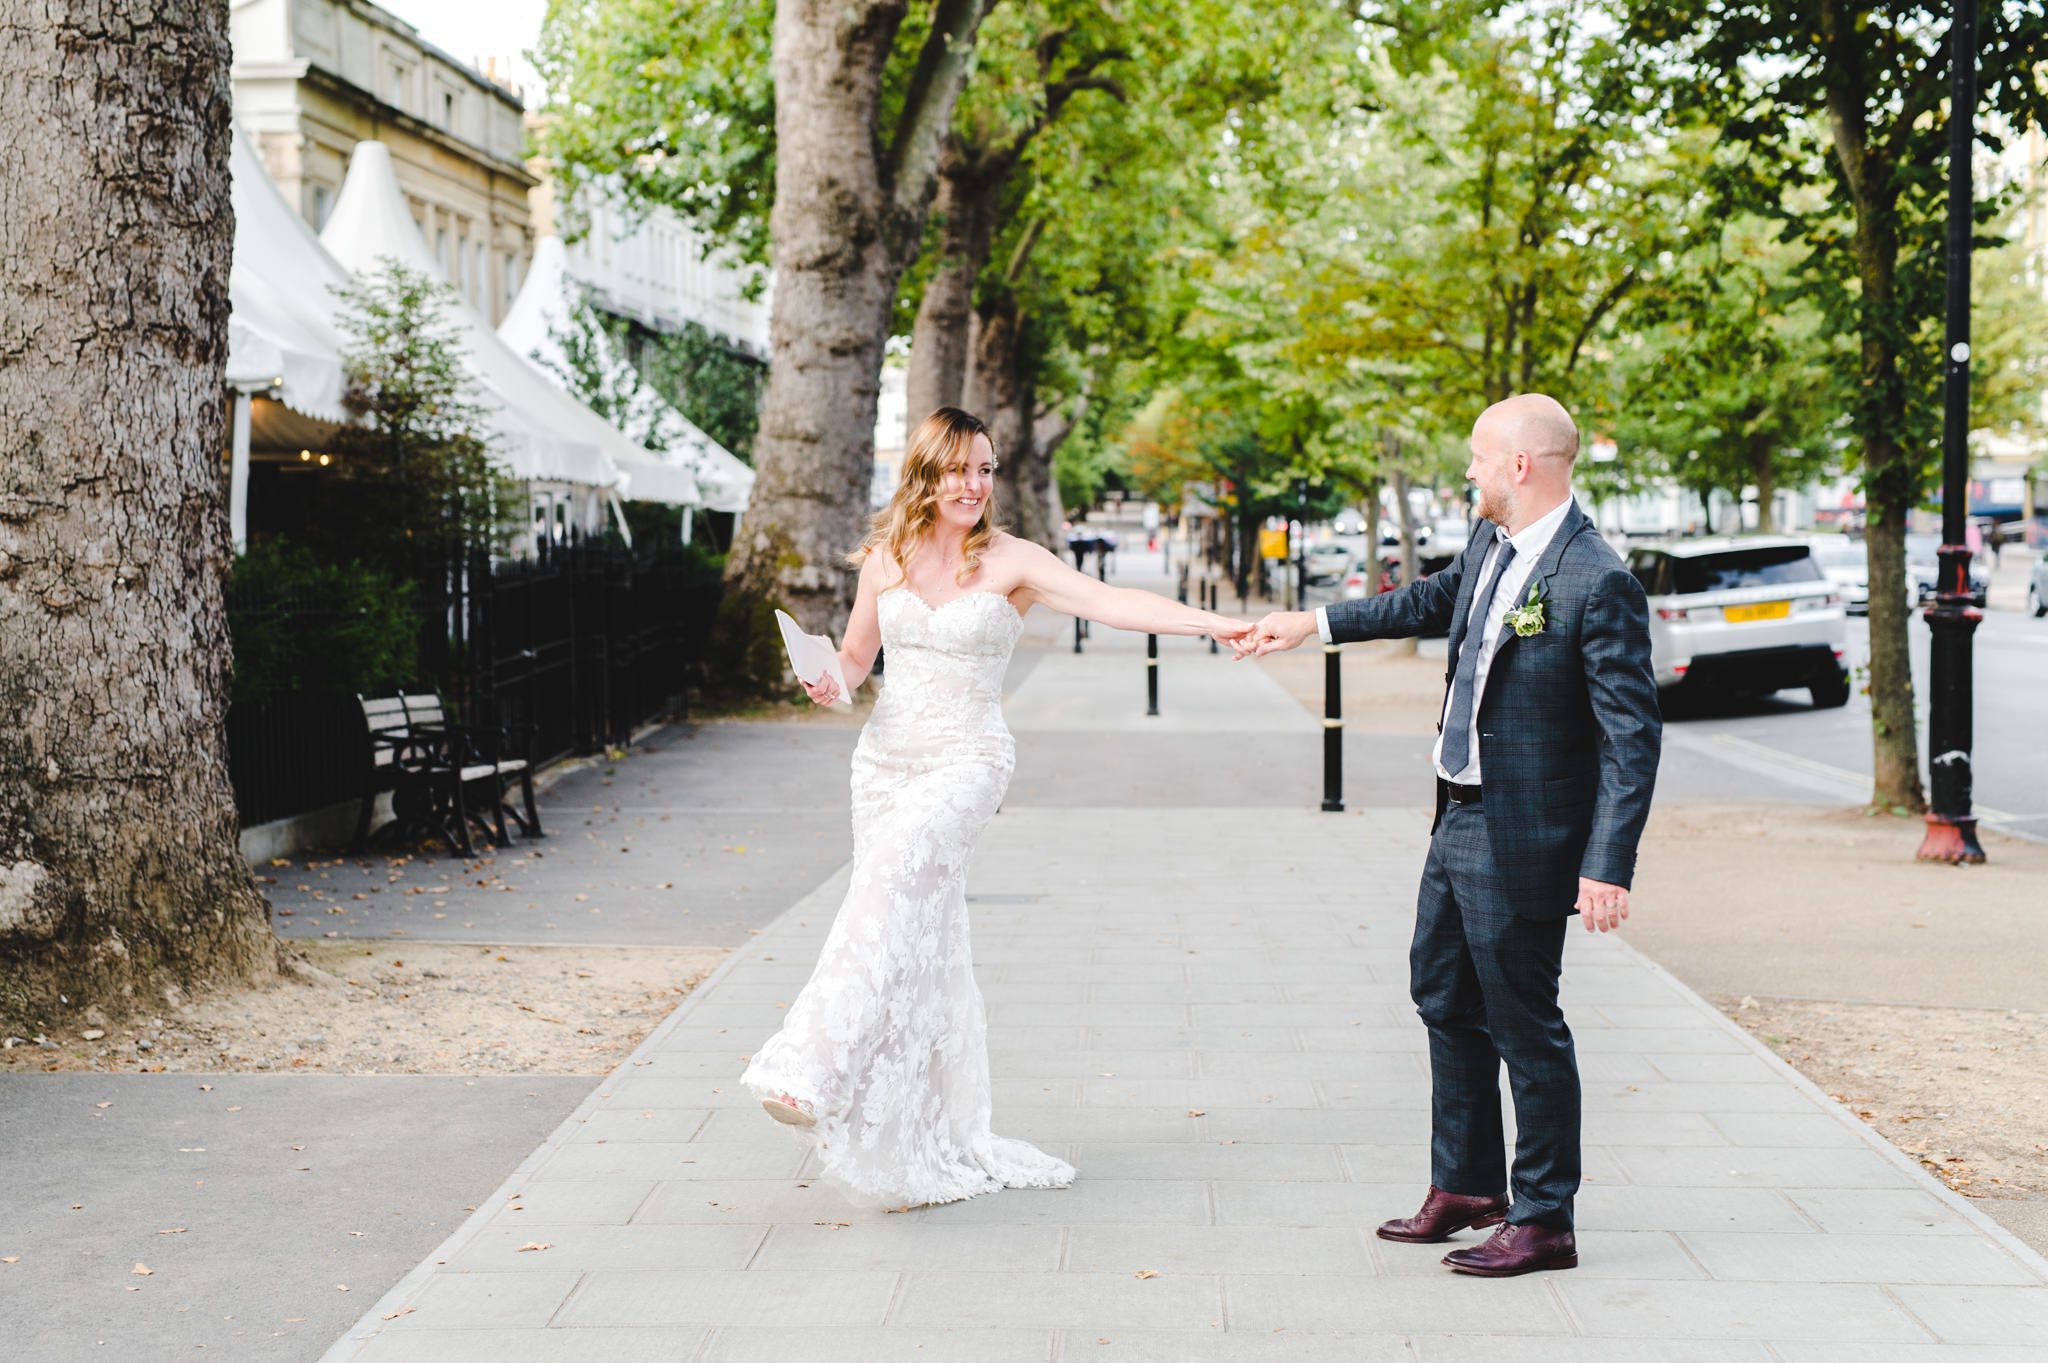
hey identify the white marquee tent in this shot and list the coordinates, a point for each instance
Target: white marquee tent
(541, 314)
(539, 432)
(283, 342)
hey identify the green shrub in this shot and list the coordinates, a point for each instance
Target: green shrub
(301, 626)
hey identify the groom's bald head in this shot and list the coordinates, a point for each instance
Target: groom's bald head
(1522, 455)
(1534, 424)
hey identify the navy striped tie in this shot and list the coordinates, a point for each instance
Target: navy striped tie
(1458, 727)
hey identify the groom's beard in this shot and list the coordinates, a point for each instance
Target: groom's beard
(1498, 510)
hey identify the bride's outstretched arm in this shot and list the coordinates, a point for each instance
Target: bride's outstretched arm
(1075, 593)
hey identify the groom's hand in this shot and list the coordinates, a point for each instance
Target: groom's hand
(1283, 630)
(1602, 906)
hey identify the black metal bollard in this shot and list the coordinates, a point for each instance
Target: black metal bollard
(1151, 674)
(1209, 603)
(1333, 732)
(1077, 634)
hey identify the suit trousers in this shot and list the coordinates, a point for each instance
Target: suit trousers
(1484, 979)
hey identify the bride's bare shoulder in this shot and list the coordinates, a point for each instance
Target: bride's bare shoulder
(1009, 549)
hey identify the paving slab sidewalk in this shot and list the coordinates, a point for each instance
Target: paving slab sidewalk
(1205, 1008)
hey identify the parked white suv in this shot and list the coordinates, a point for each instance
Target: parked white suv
(1751, 615)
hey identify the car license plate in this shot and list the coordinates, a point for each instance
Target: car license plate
(1761, 610)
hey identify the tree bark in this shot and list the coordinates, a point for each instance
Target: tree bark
(1890, 478)
(120, 874)
(851, 200)
(1000, 390)
(939, 343)
(1411, 563)
(974, 183)
(1765, 470)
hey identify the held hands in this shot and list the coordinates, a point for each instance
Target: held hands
(1276, 633)
(1602, 906)
(1229, 631)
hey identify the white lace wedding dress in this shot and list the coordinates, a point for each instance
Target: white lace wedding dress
(887, 1045)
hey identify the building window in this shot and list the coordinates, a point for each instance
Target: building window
(479, 283)
(511, 277)
(448, 111)
(321, 205)
(398, 74)
(441, 253)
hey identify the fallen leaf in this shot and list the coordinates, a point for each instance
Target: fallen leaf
(174, 1230)
(102, 1105)
(341, 1287)
(142, 1270)
(1146, 1273)
(531, 1245)
(1198, 1112)
(401, 1311)
(10, 1258)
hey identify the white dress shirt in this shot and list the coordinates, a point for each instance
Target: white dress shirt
(1513, 586)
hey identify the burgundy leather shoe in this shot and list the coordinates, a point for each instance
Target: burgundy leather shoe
(1515, 1250)
(1444, 1215)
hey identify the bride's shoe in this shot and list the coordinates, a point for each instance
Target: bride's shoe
(788, 1111)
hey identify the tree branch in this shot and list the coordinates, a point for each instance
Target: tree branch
(1614, 295)
(1000, 161)
(913, 159)
(1018, 257)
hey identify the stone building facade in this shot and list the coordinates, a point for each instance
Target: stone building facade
(312, 78)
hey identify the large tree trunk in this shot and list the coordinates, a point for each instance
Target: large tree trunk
(1765, 470)
(1000, 390)
(1891, 488)
(939, 339)
(1036, 484)
(1411, 561)
(1891, 482)
(850, 207)
(120, 874)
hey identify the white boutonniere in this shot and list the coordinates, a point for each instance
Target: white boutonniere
(1528, 618)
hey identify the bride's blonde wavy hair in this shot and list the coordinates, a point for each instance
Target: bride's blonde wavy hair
(942, 442)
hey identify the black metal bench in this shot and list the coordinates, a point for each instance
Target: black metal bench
(430, 765)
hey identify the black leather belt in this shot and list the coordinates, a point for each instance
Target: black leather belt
(1457, 794)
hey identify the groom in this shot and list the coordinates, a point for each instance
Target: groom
(1545, 759)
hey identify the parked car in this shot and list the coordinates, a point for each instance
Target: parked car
(1923, 570)
(1325, 562)
(1847, 564)
(2037, 588)
(1749, 615)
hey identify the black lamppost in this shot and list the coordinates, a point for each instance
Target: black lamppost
(1951, 827)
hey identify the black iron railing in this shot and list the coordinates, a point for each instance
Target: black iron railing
(565, 655)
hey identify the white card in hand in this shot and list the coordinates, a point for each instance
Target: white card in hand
(812, 656)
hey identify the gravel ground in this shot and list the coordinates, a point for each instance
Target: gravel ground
(368, 1007)
(1958, 1089)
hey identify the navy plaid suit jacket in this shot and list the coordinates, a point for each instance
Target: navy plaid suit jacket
(1569, 725)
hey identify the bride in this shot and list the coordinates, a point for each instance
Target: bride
(884, 1055)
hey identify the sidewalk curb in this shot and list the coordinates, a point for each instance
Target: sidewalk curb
(371, 1324)
(2029, 1258)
